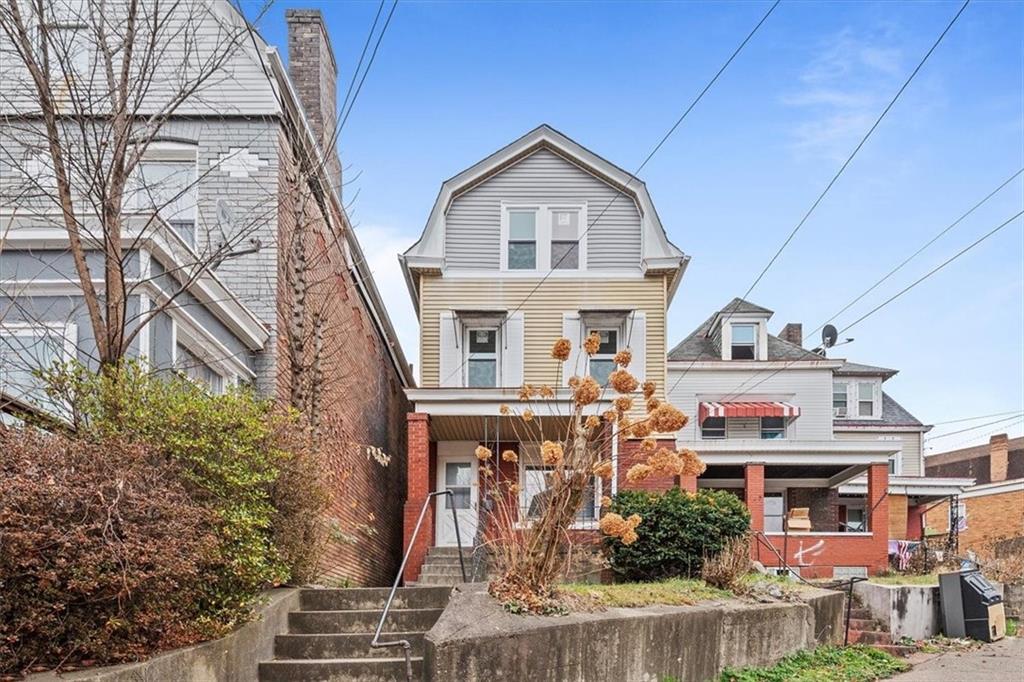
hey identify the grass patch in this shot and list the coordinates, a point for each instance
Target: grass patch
(824, 664)
(672, 592)
(896, 579)
(1011, 627)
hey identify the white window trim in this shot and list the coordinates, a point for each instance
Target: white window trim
(619, 333)
(577, 524)
(67, 330)
(171, 151)
(466, 330)
(760, 338)
(181, 335)
(846, 392)
(785, 429)
(542, 234)
(876, 398)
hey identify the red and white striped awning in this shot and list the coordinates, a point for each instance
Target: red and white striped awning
(761, 409)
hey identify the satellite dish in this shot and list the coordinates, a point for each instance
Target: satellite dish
(829, 335)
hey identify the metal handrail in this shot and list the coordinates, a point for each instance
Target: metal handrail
(404, 643)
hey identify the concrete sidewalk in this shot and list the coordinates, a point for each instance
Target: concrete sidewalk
(1002, 661)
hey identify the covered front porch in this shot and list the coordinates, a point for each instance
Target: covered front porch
(794, 491)
(444, 433)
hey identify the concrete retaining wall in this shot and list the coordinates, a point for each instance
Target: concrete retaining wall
(232, 658)
(913, 611)
(1013, 599)
(476, 640)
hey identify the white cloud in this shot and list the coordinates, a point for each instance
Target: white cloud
(381, 246)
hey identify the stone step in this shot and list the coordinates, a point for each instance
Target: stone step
(339, 670)
(869, 637)
(861, 613)
(361, 620)
(437, 580)
(453, 552)
(867, 624)
(374, 598)
(896, 649)
(349, 645)
(444, 569)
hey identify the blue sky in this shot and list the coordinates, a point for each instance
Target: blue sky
(455, 81)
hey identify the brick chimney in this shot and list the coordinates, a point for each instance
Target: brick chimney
(314, 75)
(793, 332)
(998, 457)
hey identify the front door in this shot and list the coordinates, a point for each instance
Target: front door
(457, 472)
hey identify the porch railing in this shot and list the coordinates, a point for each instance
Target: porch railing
(404, 643)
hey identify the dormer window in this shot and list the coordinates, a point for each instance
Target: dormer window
(543, 237)
(866, 399)
(744, 341)
(839, 399)
(565, 234)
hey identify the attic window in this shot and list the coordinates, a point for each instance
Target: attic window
(522, 240)
(744, 341)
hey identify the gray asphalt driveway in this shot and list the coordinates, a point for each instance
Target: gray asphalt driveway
(1002, 661)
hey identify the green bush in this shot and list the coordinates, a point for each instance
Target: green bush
(678, 530)
(230, 449)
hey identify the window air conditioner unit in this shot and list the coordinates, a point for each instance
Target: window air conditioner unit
(838, 411)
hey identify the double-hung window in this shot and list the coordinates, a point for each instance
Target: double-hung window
(602, 363)
(166, 183)
(536, 494)
(839, 399)
(866, 399)
(713, 428)
(565, 234)
(193, 367)
(744, 341)
(25, 349)
(773, 427)
(522, 240)
(481, 345)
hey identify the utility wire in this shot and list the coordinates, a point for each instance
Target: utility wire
(738, 392)
(633, 175)
(362, 56)
(839, 173)
(369, 65)
(962, 443)
(974, 428)
(980, 416)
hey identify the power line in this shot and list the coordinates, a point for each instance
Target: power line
(931, 272)
(633, 175)
(737, 390)
(961, 443)
(974, 428)
(841, 170)
(980, 416)
(362, 56)
(369, 65)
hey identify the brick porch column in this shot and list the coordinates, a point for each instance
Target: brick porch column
(878, 516)
(418, 485)
(753, 494)
(688, 484)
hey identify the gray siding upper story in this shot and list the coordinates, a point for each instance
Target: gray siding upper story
(473, 221)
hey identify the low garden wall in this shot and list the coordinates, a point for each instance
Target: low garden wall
(913, 611)
(232, 658)
(477, 640)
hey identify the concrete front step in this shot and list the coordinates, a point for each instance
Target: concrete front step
(866, 624)
(362, 620)
(348, 645)
(436, 580)
(860, 613)
(449, 552)
(339, 670)
(362, 598)
(869, 637)
(453, 570)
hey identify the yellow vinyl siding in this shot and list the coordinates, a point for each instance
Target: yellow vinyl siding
(542, 314)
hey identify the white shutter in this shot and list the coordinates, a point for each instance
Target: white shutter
(449, 351)
(512, 351)
(573, 330)
(636, 332)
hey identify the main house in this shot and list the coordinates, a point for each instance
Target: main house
(788, 428)
(217, 171)
(541, 239)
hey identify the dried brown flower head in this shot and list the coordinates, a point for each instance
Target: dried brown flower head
(561, 349)
(665, 419)
(604, 470)
(666, 462)
(649, 388)
(692, 465)
(587, 392)
(623, 403)
(641, 429)
(610, 415)
(527, 415)
(606, 501)
(648, 445)
(592, 343)
(622, 381)
(574, 381)
(614, 525)
(514, 488)
(652, 404)
(482, 453)
(638, 472)
(505, 410)
(488, 471)
(593, 421)
(624, 357)
(551, 453)
(546, 391)
(509, 456)
(525, 392)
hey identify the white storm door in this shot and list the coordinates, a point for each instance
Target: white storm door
(457, 473)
